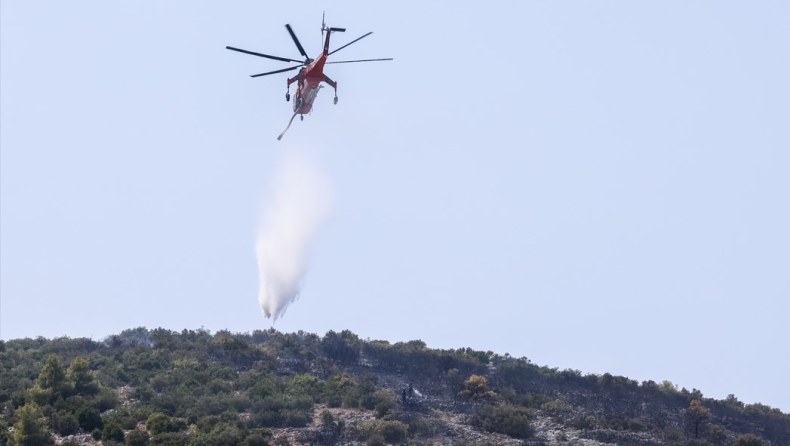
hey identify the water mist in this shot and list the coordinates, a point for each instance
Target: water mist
(299, 205)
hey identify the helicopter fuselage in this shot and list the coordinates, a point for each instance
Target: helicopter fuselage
(309, 85)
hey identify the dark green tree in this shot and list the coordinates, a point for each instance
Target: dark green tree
(80, 376)
(52, 375)
(65, 423)
(30, 429)
(112, 431)
(157, 423)
(89, 419)
(136, 437)
(51, 381)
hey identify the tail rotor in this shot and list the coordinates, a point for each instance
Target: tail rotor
(323, 26)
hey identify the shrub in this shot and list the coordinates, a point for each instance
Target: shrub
(137, 438)
(375, 430)
(89, 419)
(476, 388)
(112, 431)
(158, 423)
(554, 408)
(505, 419)
(65, 423)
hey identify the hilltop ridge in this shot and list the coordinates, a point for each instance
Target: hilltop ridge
(162, 387)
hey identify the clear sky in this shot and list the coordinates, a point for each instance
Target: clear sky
(602, 186)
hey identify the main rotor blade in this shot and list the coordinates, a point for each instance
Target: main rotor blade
(296, 41)
(349, 43)
(363, 60)
(263, 55)
(276, 71)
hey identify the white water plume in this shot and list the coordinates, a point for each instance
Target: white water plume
(299, 204)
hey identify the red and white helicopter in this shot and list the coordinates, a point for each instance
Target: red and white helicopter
(311, 75)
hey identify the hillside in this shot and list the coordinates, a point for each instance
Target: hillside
(159, 387)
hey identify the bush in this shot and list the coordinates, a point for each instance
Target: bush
(112, 431)
(106, 399)
(158, 423)
(389, 431)
(418, 426)
(89, 419)
(476, 388)
(137, 438)
(505, 419)
(554, 408)
(278, 412)
(65, 423)
(383, 405)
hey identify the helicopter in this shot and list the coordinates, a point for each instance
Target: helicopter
(311, 74)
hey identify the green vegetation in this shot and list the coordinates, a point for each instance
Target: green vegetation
(505, 419)
(158, 387)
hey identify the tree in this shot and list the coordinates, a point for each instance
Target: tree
(89, 419)
(80, 376)
(732, 400)
(65, 423)
(716, 435)
(668, 387)
(52, 375)
(136, 437)
(476, 388)
(112, 431)
(31, 430)
(158, 423)
(51, 381)
(698, 414)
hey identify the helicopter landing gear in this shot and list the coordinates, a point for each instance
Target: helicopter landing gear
(335, 99)
(287, 97)
(301, 117)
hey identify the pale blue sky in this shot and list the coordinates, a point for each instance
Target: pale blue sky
(594, 185)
